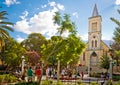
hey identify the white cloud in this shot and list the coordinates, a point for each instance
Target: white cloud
(61, 7)
(106, 37)
(11, 2)
(53, 4)
(40, 23)
(65, 33)
(117, 2)
(44, 6)
(75, 14)
(84, 37)
(20, 39)
(25, 14)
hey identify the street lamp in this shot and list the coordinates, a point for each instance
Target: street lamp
(23, 64)
(110, 68)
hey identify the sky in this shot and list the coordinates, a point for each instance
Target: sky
(31, 16)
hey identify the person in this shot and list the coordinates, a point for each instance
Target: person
(50, 72)
(102, 75)
(47, 73)
(63, 73)
(30, 74)
(24, 74)
(38, 72)
(82, 74)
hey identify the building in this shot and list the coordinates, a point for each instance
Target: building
(95, 46)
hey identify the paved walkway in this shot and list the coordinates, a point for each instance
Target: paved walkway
(86, 80)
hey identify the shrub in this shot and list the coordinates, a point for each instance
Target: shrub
(27, 83)
(118, 83)
(116, 77)
(7, 78)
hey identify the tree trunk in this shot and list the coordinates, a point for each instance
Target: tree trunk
(58, 71)
(39, 81)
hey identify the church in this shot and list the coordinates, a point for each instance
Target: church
(96, 48)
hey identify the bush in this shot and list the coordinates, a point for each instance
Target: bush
(116, 77)
(27, 83)
(7, 78)
(118, 83)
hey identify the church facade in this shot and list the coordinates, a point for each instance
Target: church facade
(95, 46)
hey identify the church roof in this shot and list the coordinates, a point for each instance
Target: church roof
(95, 11)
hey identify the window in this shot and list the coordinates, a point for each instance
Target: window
(94, 26)
(95, 43)
(92, 43)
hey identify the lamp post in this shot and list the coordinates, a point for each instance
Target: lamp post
(110, 68)
(23, 64)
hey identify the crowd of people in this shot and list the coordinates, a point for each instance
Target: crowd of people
(29, 74)
(34, 73)
(64, 73)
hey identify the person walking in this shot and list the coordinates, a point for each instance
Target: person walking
(30, 74)
(38, 72)
(24, 74)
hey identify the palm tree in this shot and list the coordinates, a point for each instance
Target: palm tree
(4, 27)
(57, 18)
(65, 24)
(117, 29)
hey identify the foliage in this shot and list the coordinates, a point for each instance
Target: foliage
(68, 49)
(34, 43)
(12, 52)
(94, 83)
(27, 83)
(117, 29)
(118, 83)
(4, 27)
(109, 82)
(115, 46)
(116, 77)
(61, 48)
(105, 62)
(7, 78)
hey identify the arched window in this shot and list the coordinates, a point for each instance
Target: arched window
(95, 43)
(92, 43)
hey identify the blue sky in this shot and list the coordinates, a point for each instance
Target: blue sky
(36, 16)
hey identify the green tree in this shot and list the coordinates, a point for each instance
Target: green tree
(63, 49)
(5, 26)
(116, 37)
(34, 41)
(33, 44)
(117, 58)
(105, 62)
(11, 53)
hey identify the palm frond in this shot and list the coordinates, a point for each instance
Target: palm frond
(7, 27)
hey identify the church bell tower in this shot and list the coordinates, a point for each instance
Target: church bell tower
(94, 32)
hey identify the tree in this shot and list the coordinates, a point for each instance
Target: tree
(33, 46)
(105, 62)
(117, 58)
(63, 49)
(11, 53)
(34, 41)
(4, 27)
(116, 37)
